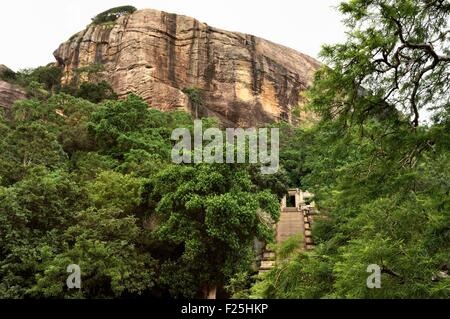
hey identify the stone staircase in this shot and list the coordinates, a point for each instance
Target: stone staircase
(267, 261)
(308, 214)
(293, 221)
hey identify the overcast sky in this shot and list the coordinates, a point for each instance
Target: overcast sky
(31, 30)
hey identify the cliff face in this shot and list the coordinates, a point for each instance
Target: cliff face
(245, 80)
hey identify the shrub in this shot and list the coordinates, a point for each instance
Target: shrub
(46, 77)
(113, 14)
(49, 76)
(195, 96)
(93, 92)
(90, 69)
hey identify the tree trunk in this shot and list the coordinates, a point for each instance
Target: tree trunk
(210, 292)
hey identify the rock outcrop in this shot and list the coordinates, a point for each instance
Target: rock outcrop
(9, 93)
(244, 80)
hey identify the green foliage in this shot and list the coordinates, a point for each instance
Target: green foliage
(381, 181)
(93, 185)
(28, 146)
(293, 151)
(289, 247)
(96, 92)
(113, 14)
(38, 82)
(111, 189)
(381, 202)
(42, 82)
(49, 76)
(93, 92)
(393, 59)
(34, 214)
(238, 286)
(104, 244)
(209, 216)
(297, 111)
(303, 276)
(196, 99)
(90, 69)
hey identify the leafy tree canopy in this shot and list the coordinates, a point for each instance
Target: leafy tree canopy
(113, 14)
(380, 179)
(396, 57)
(93, 184)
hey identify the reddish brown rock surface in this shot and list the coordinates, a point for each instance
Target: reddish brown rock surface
(245, 80)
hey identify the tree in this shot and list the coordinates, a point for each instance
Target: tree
(95, 92)
(34, 215)
(64, 115)
(113, 14)
(93, 185)
(372, 168)
(196, 100)
(49, 76)
(40, 80)
(122, 126)
(396, 57)
(207, 218)
(111, 189)
(104, 243)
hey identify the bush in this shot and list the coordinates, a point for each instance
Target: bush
(195, 96)
(46, 78)
(49, 76)
(94, 68)
(93, 92)
(96, 92)
(113, 14)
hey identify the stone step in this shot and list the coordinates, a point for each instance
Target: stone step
(310, 247)
(308, 233)
(268, 255)
(291, 216)
(290, 224)
(290, 219)
(267, 265)
(309, 240)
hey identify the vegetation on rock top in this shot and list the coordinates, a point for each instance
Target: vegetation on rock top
(113, 14)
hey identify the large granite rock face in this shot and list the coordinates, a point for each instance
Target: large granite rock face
(245, 80)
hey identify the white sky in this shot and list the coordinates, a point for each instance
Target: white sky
(31, 30)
